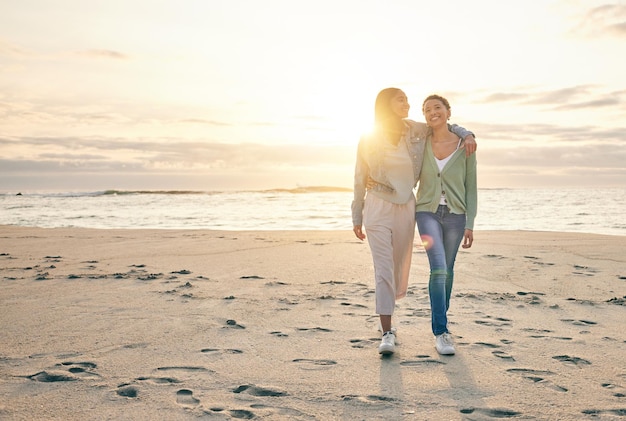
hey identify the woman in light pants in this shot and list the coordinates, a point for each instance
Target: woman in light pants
(389, 224)
(388, 165)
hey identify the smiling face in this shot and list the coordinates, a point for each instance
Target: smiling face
(400, 104)
(436, 111)
(390, 108)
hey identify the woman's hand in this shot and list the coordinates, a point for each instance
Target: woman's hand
(469, 143)
(358, 231)
(468, 238)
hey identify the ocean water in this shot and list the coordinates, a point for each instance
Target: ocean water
(600, 211)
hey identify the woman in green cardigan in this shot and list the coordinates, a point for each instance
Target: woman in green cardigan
(445, 211)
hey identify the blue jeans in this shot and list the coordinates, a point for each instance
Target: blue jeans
(441, 233)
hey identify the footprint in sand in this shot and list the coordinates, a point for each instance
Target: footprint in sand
(492, 412)
(498, 353)
(535, 260)
(185, 397)
(258, 391)
(221, 351)
(185, 368)
(66, 372)
(621, 412)
(503, 355)
(536, 376)
(487, 344)
(150, 277)
(80, 369)
(537, 333)
(368, 398)
(51, 377)
(572, 360)
(273, 283)
(318, 329)
(612, 386)
(579, 322)
(283, 411)
(159, 380)
(497, 321)
(617, 301)
(584, 270)
(361, 343)
(312, 364)
(42, 276)
(230, 323)
(288, 302)
(424, 362)
(353, 305)
(241, 414)
(181, 272)
(127, 391)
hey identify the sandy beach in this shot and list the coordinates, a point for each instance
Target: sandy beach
(220, 325)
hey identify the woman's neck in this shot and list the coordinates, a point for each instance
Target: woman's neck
(442, 134)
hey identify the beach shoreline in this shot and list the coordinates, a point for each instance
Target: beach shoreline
(187, 324)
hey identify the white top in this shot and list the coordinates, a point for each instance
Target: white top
(399, 173)
(441, 163)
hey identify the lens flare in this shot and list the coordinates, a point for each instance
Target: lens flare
(427, 241)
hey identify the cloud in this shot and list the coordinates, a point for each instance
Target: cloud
(618, 28)
(608, 19)
(68, 157)
(554, 157)
(547, 134)
(35, 167)
(525, 96)
(558, 96)
(107, 54)
(603, 102)
(7, 48)
(172, 154)
(10, 49)
(538, 153)
(207, 153)
(203, 121)
(504, 97)
(564, 99)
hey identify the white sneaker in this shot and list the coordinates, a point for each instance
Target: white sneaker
(387, 344)
(444, 344)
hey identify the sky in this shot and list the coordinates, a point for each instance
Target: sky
(261, 94)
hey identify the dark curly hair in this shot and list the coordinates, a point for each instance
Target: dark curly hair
(437, 97)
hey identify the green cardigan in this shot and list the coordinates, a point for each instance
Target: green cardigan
(457, 179)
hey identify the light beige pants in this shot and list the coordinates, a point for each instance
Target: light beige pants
(390, 230)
